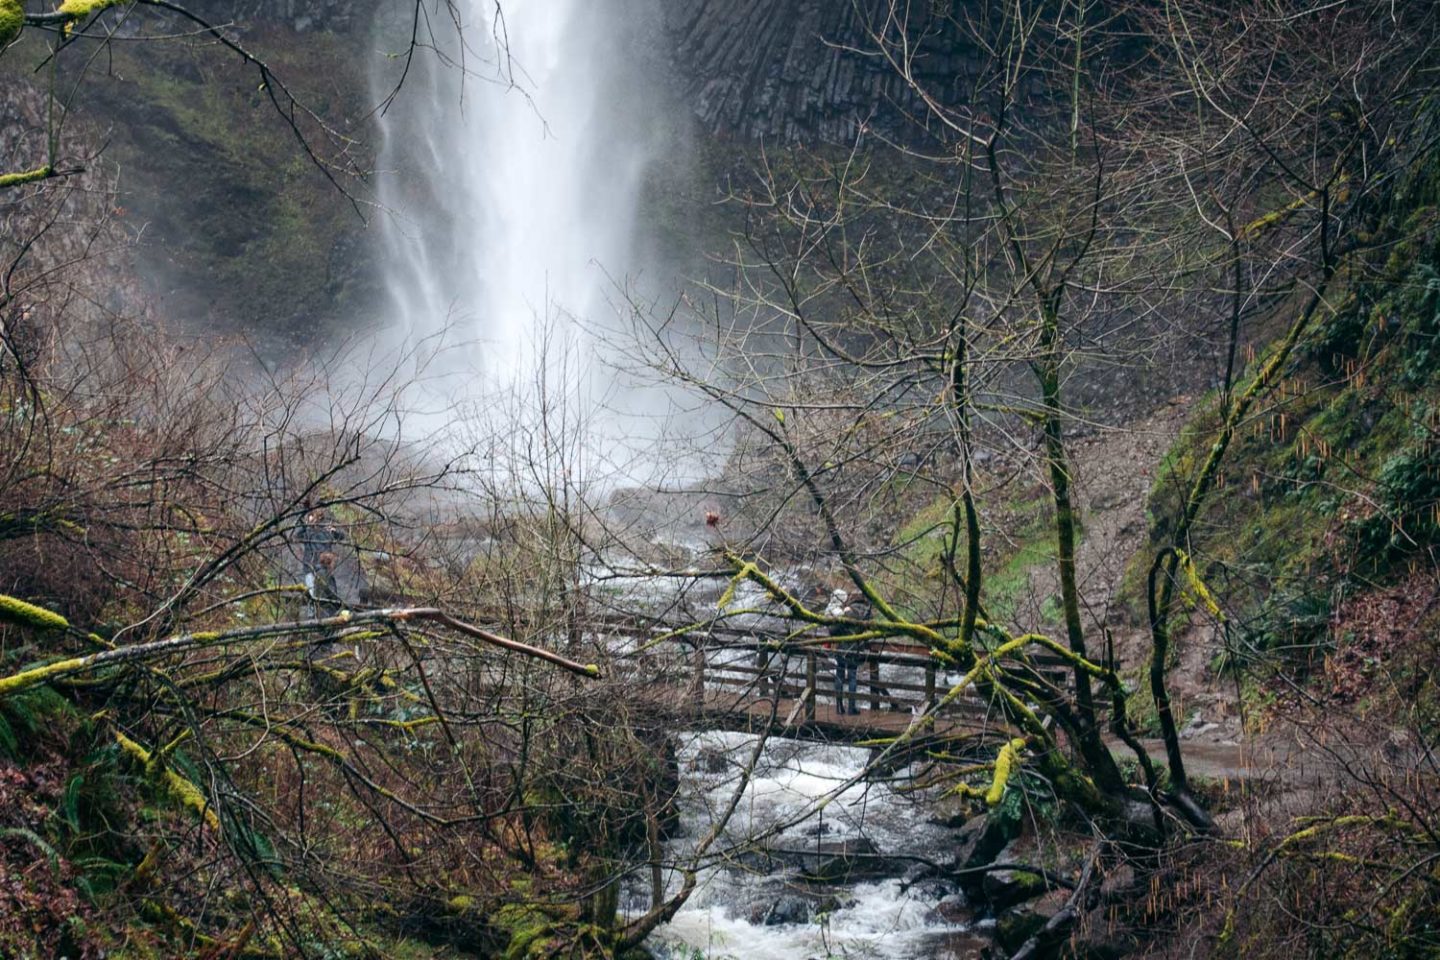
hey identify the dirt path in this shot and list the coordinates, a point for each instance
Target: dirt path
(1270, 759)
(1114, 472)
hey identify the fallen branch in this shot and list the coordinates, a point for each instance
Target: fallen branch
(183, 643)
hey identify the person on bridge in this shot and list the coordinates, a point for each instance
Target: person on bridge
(847, 655)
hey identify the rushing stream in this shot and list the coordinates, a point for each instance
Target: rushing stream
(757, 906)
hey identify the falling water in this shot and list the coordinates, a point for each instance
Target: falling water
(511, 163)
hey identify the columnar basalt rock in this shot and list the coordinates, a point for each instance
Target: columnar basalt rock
(800, 70)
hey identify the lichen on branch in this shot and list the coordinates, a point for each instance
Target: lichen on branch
(14, 610)
(79, 9)
(179, 789)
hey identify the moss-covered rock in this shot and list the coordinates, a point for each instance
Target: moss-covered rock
(1018, 924)
(12, 21)
(1006, 888)
(238, 232)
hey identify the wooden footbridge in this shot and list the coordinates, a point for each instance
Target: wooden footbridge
(757, 680)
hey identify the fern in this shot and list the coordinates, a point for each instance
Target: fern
(69, 809)
(99, 876)
(31, 713)
(21, 833)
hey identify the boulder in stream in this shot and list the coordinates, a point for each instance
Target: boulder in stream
(982, 841)
(710, 760)
(791, 908)
(1005, 888)
(787, 908)
(844, 861)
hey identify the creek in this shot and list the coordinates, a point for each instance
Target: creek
(810, 865)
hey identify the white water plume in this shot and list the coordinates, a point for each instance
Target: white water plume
(512, 161)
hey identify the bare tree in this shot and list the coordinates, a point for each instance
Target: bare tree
(1105, 185)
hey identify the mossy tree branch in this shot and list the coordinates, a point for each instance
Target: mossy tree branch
(146, 652)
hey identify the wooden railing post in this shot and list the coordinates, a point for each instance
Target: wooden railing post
(809, 693)
(697, 676)
(929, 685)
(874, 663)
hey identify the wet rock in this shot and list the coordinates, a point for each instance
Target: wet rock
(1006, 888)
(1197, 727)
(709, 760)
(981, 842)
(952, 812)
(922, 878)
(788, 909)
(788, 70)
(954, 909)
(960, 945)
(932, 889)
(841, 861)
(1018, 924)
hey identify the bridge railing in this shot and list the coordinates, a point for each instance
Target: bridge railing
(751, 666)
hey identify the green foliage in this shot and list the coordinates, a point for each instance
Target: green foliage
(1407, 494)
(1291, 624)
(36, 841)
(1336, 475)
(12, 21)
(88, 819)
(29, 716)
(98, 877)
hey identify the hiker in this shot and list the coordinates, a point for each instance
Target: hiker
(847, 655)
(860, 608)
(318, 536)
(767, 682)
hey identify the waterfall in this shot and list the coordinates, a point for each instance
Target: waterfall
(509, 173)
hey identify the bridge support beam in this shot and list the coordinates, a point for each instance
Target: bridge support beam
(697, 674)
(810, 687)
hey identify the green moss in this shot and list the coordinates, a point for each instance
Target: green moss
(527, 927)
(1006, 763)
(259, 240)
(12, 21)
(180, 790)
(80, 9)
(18, 611)
(1007, 586)
(35, 676)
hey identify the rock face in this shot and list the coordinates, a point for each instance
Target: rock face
(800, 71)
(301, 16)
(781, 70)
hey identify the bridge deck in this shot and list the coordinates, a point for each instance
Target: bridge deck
(734, 683)
(787, 716)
